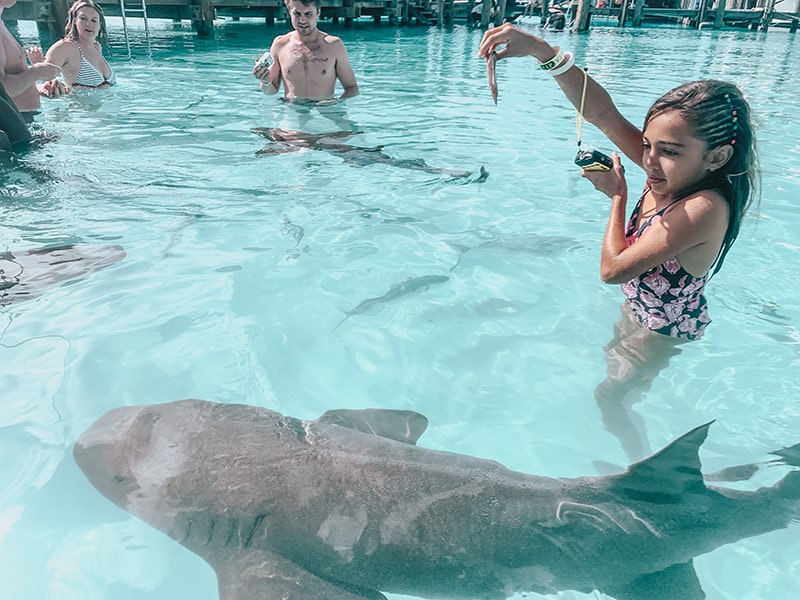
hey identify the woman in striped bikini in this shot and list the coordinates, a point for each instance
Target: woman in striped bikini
(79, 54)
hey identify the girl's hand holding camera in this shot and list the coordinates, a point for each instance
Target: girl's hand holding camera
(611, 183)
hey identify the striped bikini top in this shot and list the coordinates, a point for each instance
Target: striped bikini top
(89, 75)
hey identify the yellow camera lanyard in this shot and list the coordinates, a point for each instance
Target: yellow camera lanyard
(579, 112)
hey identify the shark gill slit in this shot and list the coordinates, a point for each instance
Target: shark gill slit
(231, 532)
(188, 531)
(211, 525)
(256, 524)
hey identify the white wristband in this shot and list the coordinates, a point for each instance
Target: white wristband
(565, 67)
(268, 88)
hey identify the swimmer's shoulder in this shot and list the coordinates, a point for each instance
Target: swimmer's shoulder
(332, 40)
(706, 209)
(707, 199)
(281, 40)
(335, 45)
(62, 49)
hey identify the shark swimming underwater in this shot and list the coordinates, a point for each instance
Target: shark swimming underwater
(27, 275)
(346, 507)
(289, 140)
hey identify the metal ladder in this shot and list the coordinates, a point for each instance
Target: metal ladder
(139, 12)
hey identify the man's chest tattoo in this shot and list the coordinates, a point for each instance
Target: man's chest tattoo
(306, 56)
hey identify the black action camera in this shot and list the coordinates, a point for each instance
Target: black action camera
(593, 160)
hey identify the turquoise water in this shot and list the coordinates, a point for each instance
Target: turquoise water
(241, 269)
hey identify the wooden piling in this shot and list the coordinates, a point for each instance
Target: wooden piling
(486, 9)
(57, 10)
(583, 16)
(766, 17)
(623, 13)
(501, 12)
(719, 17)
(638, 13)
(203, 13)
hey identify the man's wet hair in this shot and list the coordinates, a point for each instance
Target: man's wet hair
(317, 3)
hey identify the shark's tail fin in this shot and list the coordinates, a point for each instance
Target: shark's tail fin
(789, 486)
(788, 456)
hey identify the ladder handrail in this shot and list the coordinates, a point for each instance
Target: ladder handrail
(134, 12)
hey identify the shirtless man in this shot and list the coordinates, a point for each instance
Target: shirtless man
(18, 78)
(308, 61)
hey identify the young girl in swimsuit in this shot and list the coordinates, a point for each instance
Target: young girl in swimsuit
(79, 54)
(698, 151)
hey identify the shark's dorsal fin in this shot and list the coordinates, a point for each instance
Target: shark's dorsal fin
(678, 582)
(669, 472)
(400, 425)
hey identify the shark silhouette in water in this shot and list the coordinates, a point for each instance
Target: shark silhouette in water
(409, 286)
(288, 140)
(27, 275)
(346, 506)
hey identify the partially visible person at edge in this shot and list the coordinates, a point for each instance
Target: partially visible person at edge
(18, 78)
(307, 61)
(697, 149)
(79, 53)
(14, 133)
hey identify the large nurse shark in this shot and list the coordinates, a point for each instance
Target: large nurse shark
(346, 506)
(27, 275)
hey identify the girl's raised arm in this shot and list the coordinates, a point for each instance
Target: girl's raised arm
(598, 107)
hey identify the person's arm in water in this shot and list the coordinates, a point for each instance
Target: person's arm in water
(17, 83)
(55, 56)
(344, 73)
(598, 107)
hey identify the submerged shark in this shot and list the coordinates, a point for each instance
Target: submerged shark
(346, 506)
(409, 286)
(27, 275)
(289, 140)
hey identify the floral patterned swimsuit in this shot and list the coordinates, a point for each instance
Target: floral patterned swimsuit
(666, 299)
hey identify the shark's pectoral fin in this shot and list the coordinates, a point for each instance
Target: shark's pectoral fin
(278, 148)
(260, 575)
(400, 425)
(678, 582)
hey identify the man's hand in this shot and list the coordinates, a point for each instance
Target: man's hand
(261, 71)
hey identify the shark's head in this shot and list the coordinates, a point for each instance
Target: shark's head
(131, 453)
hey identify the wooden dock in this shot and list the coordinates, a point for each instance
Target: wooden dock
(50, 15)
(701, 14)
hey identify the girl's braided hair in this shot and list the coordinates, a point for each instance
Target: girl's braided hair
(718, 114)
